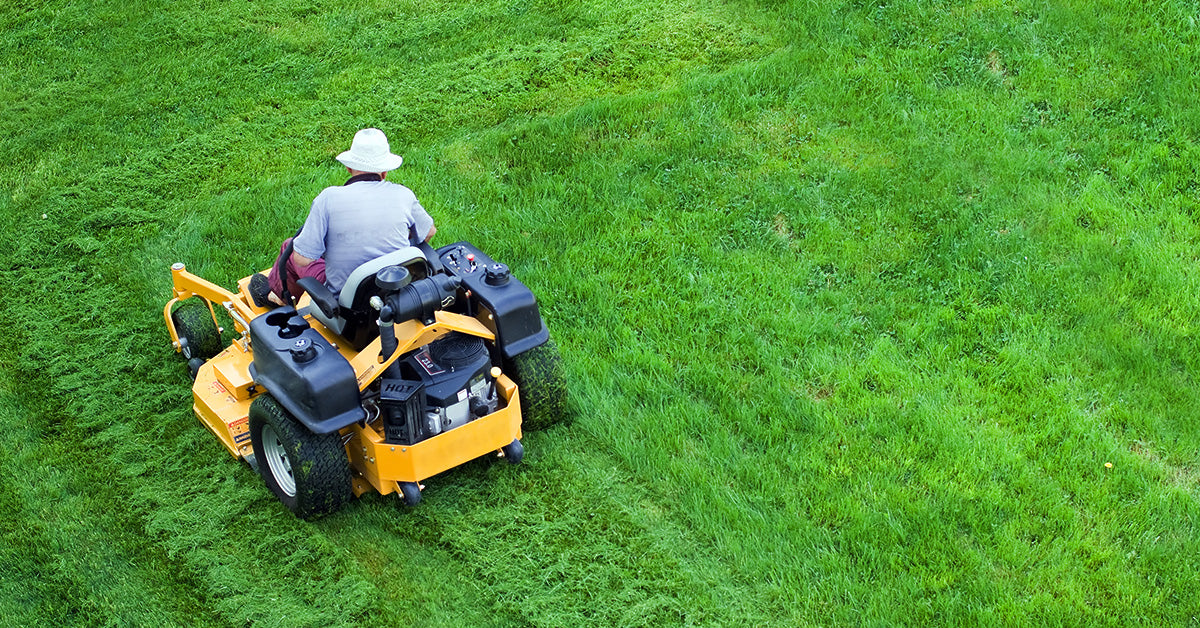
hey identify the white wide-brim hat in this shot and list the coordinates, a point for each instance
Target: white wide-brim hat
(370, 152)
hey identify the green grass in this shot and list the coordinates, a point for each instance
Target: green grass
(857, 300)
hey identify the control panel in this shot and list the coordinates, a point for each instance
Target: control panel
(490, 284)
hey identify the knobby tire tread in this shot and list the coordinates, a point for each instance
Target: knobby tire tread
(194, 322)
(319, 463)
(539, 378)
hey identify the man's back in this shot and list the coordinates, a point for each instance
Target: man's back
(357, 222)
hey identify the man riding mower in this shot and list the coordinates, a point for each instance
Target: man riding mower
(424, 361)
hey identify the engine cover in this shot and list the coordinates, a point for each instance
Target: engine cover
(450, 378)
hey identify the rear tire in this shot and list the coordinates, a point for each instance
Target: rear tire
(308, 472)
(539, 379)
(198, 334)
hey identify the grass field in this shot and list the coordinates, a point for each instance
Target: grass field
(858, 301)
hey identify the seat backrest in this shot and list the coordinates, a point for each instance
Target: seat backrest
(363, 277)
(356, 321)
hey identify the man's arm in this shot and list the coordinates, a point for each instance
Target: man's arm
(300, 261)
(311, 238)
(422, 223)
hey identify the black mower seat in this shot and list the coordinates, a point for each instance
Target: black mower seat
(355, 320)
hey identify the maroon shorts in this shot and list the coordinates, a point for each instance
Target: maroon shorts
(316, 270)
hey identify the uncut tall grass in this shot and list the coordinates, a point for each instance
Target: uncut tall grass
(873, 313)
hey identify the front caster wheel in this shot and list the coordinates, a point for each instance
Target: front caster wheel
(198, 334)
(513, 452)
(411, 493)
(194, 365)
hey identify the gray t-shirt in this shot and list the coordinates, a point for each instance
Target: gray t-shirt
(355, 223)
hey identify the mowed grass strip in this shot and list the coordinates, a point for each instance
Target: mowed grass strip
(857, 302)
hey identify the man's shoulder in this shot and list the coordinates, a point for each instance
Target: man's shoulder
(395, 187)
(363, 194)
(327, 192)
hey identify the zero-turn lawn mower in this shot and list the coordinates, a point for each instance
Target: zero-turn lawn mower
(426, 360)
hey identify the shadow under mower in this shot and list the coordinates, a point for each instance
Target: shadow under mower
(428, 359)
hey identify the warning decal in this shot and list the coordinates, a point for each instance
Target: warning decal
(240, 430)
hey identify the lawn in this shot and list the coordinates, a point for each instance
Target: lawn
(873, 314)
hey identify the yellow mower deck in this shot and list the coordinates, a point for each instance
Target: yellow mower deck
(224, 389)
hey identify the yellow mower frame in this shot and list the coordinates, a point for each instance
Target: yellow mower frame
(224, 390)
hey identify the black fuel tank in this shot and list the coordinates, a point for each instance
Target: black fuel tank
(303, 372)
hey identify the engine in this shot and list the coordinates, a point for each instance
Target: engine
(443, 385)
